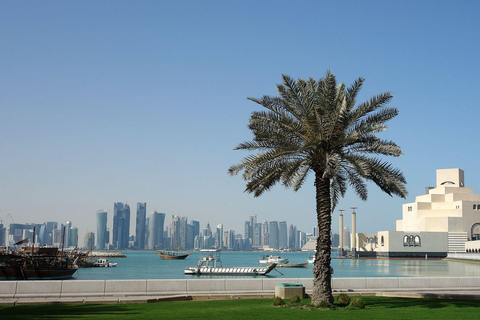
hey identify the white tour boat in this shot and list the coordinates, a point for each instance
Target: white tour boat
(104, 263)
(211, 264)
(268, 259)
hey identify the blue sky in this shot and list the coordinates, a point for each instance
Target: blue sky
(106, 101)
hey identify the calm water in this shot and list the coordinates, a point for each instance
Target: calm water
(148, 265)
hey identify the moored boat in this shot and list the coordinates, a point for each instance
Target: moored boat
(104, 263)
(172, 255)
(268, 259)
(41, 263)
(212, 265)
(293, 265)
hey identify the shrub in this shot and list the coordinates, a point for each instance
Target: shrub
(323, 304)
(295, 299)
(278, 301)
(343, 299)
(357, 303)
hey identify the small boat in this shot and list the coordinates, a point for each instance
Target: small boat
(311, 259)
(212, 265)
(267, 259)
(173, 255)
(293, 265)
(104, 263)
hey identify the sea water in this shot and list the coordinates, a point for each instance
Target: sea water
(148, 265)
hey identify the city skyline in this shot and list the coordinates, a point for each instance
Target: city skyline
(181, 234)
(146, 103)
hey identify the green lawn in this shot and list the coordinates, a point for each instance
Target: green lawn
(376, 308)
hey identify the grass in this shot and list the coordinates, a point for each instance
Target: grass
(376, 308)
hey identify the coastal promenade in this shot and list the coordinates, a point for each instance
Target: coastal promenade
(141, 291)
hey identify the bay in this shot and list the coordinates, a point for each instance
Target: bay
(148, 265)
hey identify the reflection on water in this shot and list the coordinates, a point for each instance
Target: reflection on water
(148, 265)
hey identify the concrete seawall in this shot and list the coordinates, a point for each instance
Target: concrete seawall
(64, 289)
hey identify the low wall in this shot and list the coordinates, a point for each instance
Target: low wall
(124, 288)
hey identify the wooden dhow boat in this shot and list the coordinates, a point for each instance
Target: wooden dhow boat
(35, 264)
(210, 264)
(172, 255)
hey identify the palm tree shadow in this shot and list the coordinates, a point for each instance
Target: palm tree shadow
(64, 311)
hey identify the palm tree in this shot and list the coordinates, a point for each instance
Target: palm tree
(314, 126)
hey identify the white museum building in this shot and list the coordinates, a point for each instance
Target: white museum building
(446, 219)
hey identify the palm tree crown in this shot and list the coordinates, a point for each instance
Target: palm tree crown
(314, 126)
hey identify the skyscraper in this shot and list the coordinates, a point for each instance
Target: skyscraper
(292, 237)
(252, 221)
(346, 238)
(89, 240)
(101, 229)
(66, 239)
(273, 235)
(282, 235)
(73, 235)
(179, 232)
(264, 233)
(140, 233)
(121, 225)
(220, 236)
(155, 230)
(257, 235)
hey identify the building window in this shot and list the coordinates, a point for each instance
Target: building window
(381, 241)
(406, 240)
(411, 241)
(417, 241)
(474, 207)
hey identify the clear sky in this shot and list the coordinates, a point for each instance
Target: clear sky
(144, 101)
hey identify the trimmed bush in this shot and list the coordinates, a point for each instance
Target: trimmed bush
(278, 301)
(295, 299)
(357, 303)
(343, 299)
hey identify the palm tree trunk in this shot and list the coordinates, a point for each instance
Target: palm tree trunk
(322, 286)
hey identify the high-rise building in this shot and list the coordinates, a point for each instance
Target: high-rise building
(57, 237)
(50, 226)
(273, 235)
(292, 232)
(140, 232)
(121, 225)
(346, 238)
(89, 240)
(155, 230)
(257, 235)
(101, 229)
(247, 230)
(179, 232)
(196, 228)
(66, 238)
(3, 231)
(335, 240)
(73, 235)
(231, 239)
(219, 239)
(252, 219)
(264, 233)
(282, 235)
